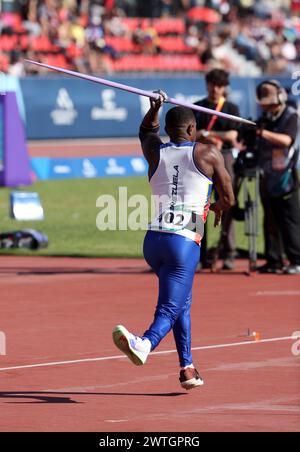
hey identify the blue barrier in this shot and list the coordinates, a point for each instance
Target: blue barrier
(60, 107)
(88, 168)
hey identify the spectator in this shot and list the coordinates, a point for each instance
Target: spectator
(147, 39)
(31, 23)
(278, 153)
(17, 68)
(223, 134)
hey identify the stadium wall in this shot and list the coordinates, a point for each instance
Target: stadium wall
(60, 107)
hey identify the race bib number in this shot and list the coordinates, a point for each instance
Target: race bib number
(173, 220)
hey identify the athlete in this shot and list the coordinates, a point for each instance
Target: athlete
(181, 173)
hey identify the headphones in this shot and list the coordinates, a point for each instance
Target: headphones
(281, 92)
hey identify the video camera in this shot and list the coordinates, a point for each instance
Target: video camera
(247, 160)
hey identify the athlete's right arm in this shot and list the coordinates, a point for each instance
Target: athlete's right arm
(149, 133)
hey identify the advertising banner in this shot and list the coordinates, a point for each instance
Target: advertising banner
(60, 107)
(88, 168)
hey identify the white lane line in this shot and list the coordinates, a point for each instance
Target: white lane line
(166, 352)
(235, 344)
(285, 293)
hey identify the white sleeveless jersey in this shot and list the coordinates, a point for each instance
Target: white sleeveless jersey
(181, 193)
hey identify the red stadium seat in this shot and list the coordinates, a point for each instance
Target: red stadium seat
(8, 43)
(24, 42)
(174, 44)
(121, 44)
(12, 20)
(147, 62)
(74, 52)
(61, 61)
(4, 62)
(122, 64)
(165, 26)
(56, 60)
(42, 44)
(132, 23)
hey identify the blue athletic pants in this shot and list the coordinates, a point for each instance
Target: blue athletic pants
(174, 259)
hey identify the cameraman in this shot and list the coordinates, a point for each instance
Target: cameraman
(278, 150)
(223, 134)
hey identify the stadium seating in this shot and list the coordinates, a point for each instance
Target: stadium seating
(167, 44)
(162, 26)
(156, 44)
(173, 53)
(158, 63)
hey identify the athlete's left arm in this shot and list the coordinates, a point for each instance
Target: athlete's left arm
(211, 163)
(223, 186)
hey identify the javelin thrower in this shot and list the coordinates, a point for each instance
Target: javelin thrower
(182, 173)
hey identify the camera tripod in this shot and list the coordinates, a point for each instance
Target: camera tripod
(250, 215)
(251, 206)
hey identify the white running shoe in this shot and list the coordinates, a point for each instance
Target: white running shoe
(134, 347)
(190, 379)
(292, 270)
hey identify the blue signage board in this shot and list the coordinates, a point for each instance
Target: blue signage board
(88, 168)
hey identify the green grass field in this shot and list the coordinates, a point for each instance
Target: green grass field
(70, 219)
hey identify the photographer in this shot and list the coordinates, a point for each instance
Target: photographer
(223, 134)
(278, 152)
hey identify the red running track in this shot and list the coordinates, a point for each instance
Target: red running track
(54, 311)
(85, 148)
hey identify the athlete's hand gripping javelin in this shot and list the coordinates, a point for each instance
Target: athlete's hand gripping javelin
(151, 120)
(157, 104)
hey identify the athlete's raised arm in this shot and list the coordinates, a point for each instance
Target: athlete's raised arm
(149, 133)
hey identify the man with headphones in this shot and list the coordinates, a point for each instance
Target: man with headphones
(278, 151)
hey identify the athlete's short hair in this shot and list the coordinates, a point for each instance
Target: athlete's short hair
(179, 117)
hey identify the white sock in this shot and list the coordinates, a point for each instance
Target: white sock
(143, 345)
(147, 345)
(191, 366)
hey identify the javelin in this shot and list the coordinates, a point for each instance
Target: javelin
(141, 92)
